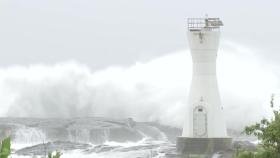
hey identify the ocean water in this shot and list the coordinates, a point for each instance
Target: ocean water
(92, 138)
(88, 138)
(145, 148)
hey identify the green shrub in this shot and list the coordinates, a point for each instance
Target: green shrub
(245, 154)
(57, 155)
(5, 148)
(268, 132)
(260, 153)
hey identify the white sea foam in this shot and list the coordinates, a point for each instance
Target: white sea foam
(117, 153)
(25, 135)
(152, 91)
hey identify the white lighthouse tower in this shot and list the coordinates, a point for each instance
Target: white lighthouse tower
(205, 122)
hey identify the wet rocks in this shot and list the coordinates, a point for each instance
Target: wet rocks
(44, 149)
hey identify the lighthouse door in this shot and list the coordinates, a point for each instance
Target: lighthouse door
(200, 122)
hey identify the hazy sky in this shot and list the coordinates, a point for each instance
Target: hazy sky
(132, 53)
(100, 33)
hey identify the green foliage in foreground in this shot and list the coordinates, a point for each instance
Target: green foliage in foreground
(268, 132)
(5, 150)
(261, 153)
(57, 155)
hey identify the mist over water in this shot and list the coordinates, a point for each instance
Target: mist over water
(156, 90)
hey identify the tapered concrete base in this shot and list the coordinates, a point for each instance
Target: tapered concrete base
(202, 145)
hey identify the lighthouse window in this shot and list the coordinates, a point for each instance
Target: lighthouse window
(200, 110)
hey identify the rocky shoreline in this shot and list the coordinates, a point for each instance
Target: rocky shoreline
(98, 136)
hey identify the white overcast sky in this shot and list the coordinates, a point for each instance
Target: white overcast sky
(100, 33)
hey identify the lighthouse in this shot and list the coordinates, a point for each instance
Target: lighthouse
(204, 130)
